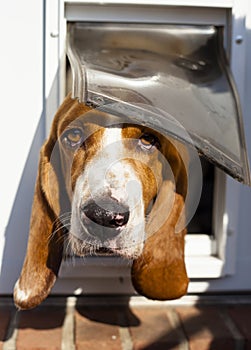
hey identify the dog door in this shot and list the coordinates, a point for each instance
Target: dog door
(179, 72)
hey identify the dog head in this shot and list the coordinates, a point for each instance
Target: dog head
(106, 185)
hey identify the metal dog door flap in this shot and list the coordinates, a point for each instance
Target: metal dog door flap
(178, 74)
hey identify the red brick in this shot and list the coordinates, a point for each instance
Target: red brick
(5, 315)
(241, 315)
(155, 331)
(205, 328)
(97, 328)
(40, 329)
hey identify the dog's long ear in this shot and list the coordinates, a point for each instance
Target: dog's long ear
(160, 272)
(44, 251)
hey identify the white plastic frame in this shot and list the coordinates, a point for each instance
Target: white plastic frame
(205, 258)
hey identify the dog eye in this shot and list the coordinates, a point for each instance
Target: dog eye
(148, 142)
(73, 137)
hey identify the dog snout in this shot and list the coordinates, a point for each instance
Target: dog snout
(106, 212)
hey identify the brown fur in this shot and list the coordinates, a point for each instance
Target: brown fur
(159, 272)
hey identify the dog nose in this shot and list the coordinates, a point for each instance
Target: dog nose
(107, 213)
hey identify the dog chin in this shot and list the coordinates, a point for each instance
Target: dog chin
(93, 247)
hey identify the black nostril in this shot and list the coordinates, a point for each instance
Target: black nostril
(107, 213)
(119, 219)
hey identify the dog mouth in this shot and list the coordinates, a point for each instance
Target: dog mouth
(103, 252)
(106, 227)
(92, 247)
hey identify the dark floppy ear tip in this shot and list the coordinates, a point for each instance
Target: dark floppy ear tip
(160, 283)
(38, 276)
(24, 301)
(160, 272)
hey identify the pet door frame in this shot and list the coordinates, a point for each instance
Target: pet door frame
(206, 258)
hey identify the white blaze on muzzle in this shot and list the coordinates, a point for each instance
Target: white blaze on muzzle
(110, 176)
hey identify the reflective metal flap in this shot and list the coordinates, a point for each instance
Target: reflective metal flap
(180, 72)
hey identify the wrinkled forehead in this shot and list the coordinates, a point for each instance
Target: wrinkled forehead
(84, 116)
(93, 120)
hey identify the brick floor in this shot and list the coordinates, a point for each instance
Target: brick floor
(5, 316)
(155, 330)
(84, 325)
(40, 328)
(241, 315)
(92, 332)
(205, 328)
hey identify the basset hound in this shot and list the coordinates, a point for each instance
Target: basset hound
(111, 186)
